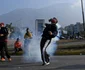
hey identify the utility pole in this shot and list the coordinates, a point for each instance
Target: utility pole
(83, 15)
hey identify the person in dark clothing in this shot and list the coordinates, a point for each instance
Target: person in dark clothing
(49, 32)
(3, 42)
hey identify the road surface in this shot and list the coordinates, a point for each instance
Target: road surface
(70, 62)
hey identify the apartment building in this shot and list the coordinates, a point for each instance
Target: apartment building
(39, 23)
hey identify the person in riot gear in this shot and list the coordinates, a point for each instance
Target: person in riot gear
(3, 42)
(49, 32)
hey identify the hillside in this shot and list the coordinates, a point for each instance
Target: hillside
(27, 16)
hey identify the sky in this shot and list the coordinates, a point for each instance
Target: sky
(65, 7)
(10, 5)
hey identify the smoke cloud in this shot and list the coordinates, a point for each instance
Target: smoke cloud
(32, 51)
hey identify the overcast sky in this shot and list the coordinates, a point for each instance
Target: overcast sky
(10, 5)
(63, 8)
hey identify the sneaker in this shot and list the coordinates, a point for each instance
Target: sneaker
(2, 59)
(9, 59)
(47, 63)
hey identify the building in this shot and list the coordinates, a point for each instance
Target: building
(39, 23)
(74, 30)
(70, 29)
(78, 27)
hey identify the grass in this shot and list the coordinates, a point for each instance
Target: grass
(70, 52)
(12, 52)
(64, 49)
(71, 49)
(76, 46)
(18, 53)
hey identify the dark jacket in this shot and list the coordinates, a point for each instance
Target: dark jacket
(4, 31)
(52, 28)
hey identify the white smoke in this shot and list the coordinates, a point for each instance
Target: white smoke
(58, 25)
(52, 46)
(32, 51)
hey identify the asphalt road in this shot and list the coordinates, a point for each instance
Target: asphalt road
(73, 62)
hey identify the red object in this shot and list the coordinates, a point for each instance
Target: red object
(53, 20)
(17, 44)
(56, 20)
(1, 23)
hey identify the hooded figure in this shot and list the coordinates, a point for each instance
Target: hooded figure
(49, 32)
(27, 37)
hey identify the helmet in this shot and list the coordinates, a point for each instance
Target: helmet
(17, 38)
(1, 24)
(56, 20)
(27, 29)
(53, 20)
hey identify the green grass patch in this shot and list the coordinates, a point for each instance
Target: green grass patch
(70, 52)
(77, 46)
(71, 49)
(18, 53)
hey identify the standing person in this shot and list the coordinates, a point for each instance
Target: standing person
(27, 37)
(3, 42)
(49, 32)
(17, 45)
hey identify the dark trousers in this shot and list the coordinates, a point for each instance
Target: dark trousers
(17, 49)
(3, 48)
(43, 45)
